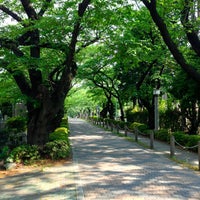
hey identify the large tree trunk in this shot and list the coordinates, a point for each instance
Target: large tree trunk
(44, 116)
(45, 91)
(150, 109)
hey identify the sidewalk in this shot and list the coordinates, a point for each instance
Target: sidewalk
(50, 183)
(106, 167)
(111, 168)
(181, 155)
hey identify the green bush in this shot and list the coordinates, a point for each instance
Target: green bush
(181, 137)
(170, 119)
(25, 154)
(60, 133)
(64, 123)
(193, 141)
(121, 124)
(187, 140)
(162, 135)
(16, 123)
(141, 127)
(57, 149)
(4, 152)
(137, 116)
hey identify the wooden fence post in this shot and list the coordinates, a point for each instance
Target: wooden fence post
(112, 126)
(117, 128)
(172, 145)
(151, 139)
(136, 134)
(107, 124)
(125, 130)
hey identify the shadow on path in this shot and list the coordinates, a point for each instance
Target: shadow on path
(110, 167)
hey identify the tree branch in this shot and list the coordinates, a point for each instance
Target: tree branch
(178, 56)
(88, 43)
(18, 76)
(191, 34)
(29, 9)
(11, 45)
(10, 13)
(82, 7)
(70, 63)
(44, 8)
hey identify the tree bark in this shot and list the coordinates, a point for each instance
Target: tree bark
(44, 119)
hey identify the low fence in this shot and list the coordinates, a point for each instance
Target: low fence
(173, 144)
(115, 127)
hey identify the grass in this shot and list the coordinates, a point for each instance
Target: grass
(184, 163)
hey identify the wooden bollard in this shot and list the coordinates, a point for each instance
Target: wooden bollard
(106, 125)
(112, 126)
(125, 131)
(151, 140)
(117, 129)
(172, 145)
(136, 134)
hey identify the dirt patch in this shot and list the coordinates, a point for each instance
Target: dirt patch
(36, 166)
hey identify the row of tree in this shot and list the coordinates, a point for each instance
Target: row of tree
(125, 49)
(131, 63)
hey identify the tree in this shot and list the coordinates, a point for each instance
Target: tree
(181, 12)
(186, 90)
(38, 50)
(143, 61)
(81, 102)
(97, 69)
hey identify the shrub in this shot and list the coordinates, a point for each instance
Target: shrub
(64, 123)
(141, 127)
(57, 149)
(187, 140)
(25, 154)
(170, 119)
(121, 124)
(137, 116)
(60, 133)
(16, 123)
(181, 137)
(162, 135)
(4, 152)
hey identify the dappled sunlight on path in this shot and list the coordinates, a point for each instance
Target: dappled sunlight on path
(50, 183)
(109, 167)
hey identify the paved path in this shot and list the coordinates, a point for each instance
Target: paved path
(50, 183)
(106, 167)
(111, 168)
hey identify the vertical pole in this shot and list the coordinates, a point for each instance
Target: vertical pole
(151, 139)
(117, 129)
(125, 130)
(156, 93)
(136, 134)
(112, 126)
(172, 146)
(156, 114)
(199, 154)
